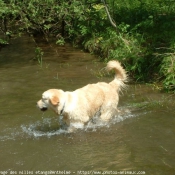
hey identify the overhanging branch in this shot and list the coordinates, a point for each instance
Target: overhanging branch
(109, 16)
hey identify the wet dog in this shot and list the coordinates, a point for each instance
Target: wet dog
(81, 105)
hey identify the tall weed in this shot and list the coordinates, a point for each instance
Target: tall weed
(168, 70)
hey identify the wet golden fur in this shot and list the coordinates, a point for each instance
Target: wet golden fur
(84, 103)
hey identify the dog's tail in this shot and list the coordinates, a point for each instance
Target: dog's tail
(120, 73)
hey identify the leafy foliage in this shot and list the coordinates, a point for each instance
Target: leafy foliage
(143, 40)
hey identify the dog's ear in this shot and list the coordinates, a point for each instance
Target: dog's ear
(54, 100)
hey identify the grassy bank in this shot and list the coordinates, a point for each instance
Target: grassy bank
(141, 34)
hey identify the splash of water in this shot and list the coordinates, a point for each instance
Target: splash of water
(50, 126)
(48, 129)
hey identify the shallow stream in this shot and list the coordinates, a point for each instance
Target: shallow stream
(141, 140)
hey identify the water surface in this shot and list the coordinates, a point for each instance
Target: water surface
(139, 140)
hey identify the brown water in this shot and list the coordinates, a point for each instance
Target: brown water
(141, 140)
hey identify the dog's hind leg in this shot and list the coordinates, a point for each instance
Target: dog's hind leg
(105, 116)
(107, 113)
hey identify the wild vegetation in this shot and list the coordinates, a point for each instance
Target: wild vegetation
(139, 33)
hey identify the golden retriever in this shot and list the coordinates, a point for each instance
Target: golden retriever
(83, 104)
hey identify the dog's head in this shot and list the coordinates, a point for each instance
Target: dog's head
(53, 99)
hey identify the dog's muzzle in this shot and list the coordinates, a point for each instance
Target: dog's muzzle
(44, 109)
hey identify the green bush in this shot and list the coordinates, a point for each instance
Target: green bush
(143, 39)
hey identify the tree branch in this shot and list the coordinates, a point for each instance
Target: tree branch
(109, 16)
